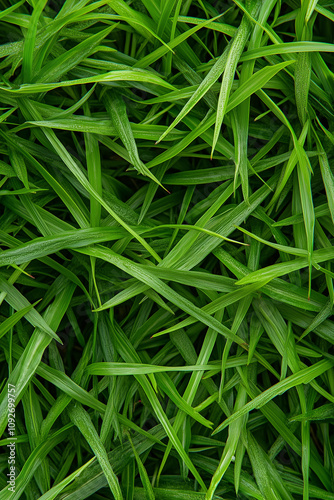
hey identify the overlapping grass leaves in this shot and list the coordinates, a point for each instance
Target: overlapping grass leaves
(166, 231)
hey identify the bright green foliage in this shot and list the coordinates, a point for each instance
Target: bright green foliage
(166, 262)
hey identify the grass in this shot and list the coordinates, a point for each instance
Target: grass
(166, 265)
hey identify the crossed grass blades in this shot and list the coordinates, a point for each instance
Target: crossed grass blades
(166, 280)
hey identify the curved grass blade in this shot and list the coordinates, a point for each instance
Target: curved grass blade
(82, 420)
(30, 39)
(304, 376)
(117, 111)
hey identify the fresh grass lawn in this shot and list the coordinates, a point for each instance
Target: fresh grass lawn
(167, 219)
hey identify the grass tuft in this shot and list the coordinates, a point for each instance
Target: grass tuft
(166, 263)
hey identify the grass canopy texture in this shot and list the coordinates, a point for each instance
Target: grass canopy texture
(166, 263)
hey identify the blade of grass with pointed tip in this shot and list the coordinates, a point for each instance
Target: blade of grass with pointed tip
(137, 271)
(116, 108)
(18, 301)
(327, 175)
(234, 54)
(76, 171)
(256, 82)
(304, 376)
(281, 248)
(10, 322)
(34, 460)
(112, 76)
(30, 39)
(52, 71)
(149, 493)
(30, 359)
(235, 430)
(82, 420)
(128, 354)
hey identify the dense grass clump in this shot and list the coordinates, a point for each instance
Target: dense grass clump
(167, 219)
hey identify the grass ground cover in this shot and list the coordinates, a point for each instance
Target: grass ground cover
(166, 263)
